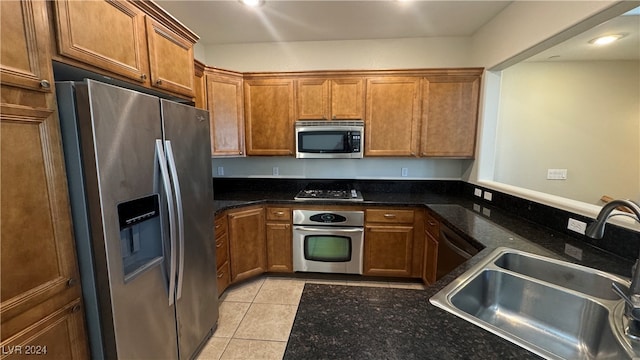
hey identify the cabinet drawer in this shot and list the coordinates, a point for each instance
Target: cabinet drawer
(390, 216)
(222, 250)
(432, 225)
(224, 277)
(220, 226)
(277, 213)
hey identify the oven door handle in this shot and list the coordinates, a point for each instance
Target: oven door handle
(327, 229)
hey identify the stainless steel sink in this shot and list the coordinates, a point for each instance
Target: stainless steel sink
(553, 308)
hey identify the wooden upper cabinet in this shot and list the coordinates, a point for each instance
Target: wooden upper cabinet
(226, 112)
(24, 42)
(450, 115)
(392, 116)
(199, 85)
(330, 99)
(40, 296)
(269, 116)
(107, 34)
(170, 59)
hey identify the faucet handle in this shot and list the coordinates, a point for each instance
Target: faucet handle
(633, 301)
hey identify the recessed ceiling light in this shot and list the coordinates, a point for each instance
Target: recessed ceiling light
(252, 3)
(607, 39)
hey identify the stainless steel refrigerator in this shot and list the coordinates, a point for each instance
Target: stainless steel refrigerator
(139, 173)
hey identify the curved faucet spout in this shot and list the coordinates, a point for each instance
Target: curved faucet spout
(595, 230)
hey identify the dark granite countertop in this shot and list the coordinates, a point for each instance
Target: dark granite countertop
(484, 225)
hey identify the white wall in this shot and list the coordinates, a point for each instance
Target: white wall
(367, 168)
(581, 116)
(342, 55)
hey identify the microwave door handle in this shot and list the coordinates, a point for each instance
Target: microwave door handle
(328, 229)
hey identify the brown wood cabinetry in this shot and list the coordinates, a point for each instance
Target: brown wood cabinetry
(388, 242)
(226, 112)
(330, 99)
(40, 294)
(247, 243)
(269, 116)
(25, 57)
(393, 116)
(450, 112)
(135, 40)
(279, 252)
(432, 234)
(199, 85)
(222, 252)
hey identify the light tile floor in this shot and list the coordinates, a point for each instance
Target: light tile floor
(256, 316)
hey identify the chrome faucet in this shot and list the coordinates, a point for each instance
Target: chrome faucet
(630, 295)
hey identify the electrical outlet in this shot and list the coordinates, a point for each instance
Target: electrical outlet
(488, 196)
(276, 170)
(405, 171)
(577, 226)
(574, 252)
(556, 174)
(220, 170)
(477, 192)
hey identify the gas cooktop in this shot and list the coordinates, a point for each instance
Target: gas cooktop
(338, 192)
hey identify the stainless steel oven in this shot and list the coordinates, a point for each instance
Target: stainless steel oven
(328, 241)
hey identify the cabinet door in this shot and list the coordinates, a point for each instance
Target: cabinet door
(388, 250)
(107, 34)
(226, 114)
(279, 252)
(24, 45)
(430, 258)
(39, 273)
(450, 114)
(347, 100)
(313, 99)
(247, 243)
(392, 116)
(170, 59)
(269, 116)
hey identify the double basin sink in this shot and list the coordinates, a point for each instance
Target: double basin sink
(553, 308)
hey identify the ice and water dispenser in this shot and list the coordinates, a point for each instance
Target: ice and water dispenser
(140, 235)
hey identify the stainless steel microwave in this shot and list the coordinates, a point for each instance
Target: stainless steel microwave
(341, 139)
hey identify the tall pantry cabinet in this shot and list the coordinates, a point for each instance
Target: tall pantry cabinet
(40, 299)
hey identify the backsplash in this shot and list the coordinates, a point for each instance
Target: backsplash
(617, 240)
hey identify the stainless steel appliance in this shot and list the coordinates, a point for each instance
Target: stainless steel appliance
(329, 191)
(328, 241)
(329, 139)
(453, 250)
(139, 173)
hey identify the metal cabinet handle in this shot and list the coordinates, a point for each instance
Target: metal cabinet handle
(72, 282)
(143, 77)
(220, 275)
(159, 82)
(75, 308)
(240, 153)
(218, 244)
(218, 226)
(432, 223)
(279, 213)
(390, 216)
(45, 84)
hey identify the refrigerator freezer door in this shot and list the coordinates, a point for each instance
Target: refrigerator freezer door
(187, 130)
(123, 126)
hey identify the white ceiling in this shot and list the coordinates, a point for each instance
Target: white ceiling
(229, 21)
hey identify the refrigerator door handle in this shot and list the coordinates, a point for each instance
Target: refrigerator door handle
(172, 218)
(176, 187)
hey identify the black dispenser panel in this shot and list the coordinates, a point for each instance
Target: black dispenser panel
(138, 210)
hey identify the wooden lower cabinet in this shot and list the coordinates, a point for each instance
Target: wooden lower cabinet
(247, 243)
(222, 253)
(279, 237)
(431, 236)
(388, 250)
(392, 246)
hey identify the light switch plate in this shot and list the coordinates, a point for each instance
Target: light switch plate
(477, 192)
(488, 196)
